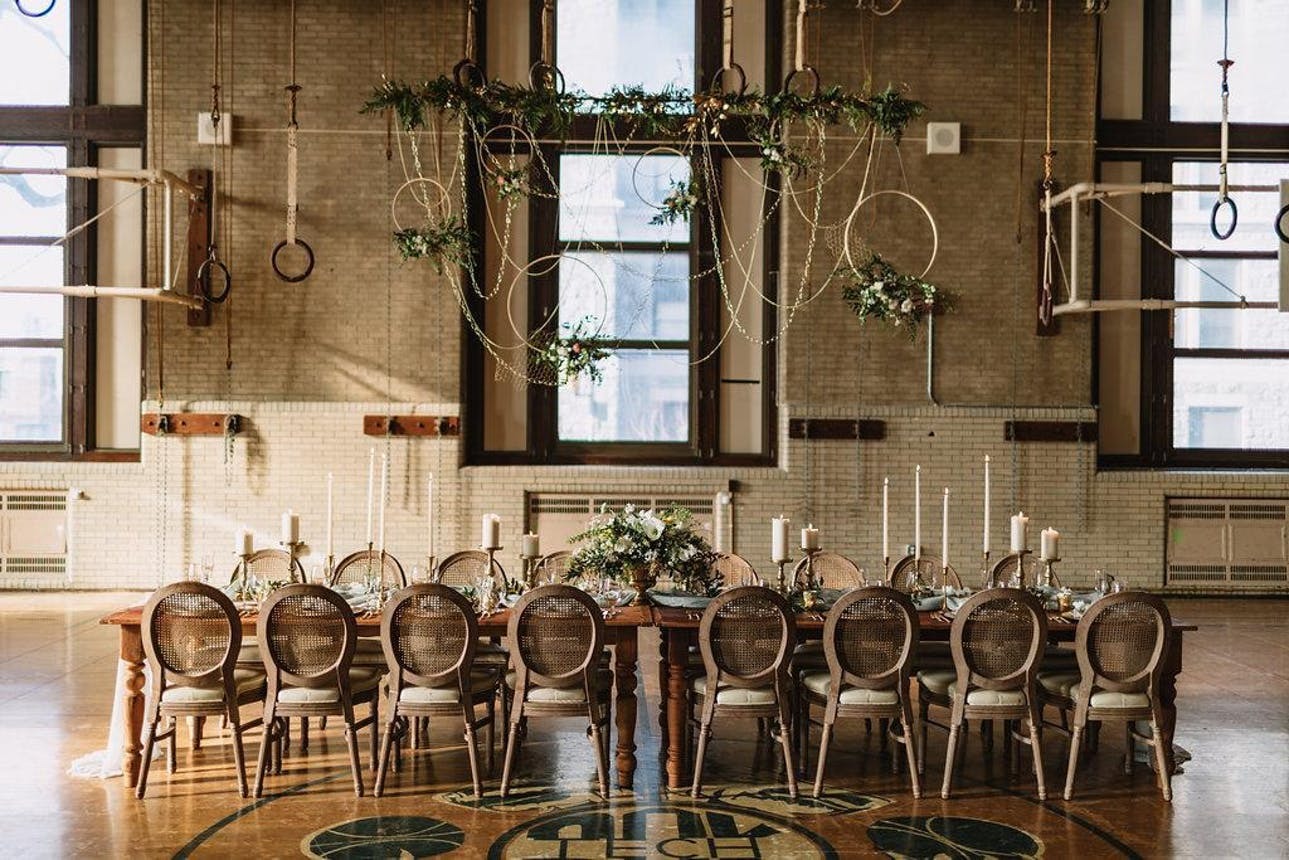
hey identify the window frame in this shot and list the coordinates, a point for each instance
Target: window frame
(82, 127)
(1157, 142)
(543, 447)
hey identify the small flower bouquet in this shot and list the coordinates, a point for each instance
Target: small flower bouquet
(638, 547)
(876, 290)
(679, 203)
(566, 357)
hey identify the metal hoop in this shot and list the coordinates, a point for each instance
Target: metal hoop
(468, 75)
(544, 76)
(1235, 219)
(42, 13)
(935, 231)
(719, 78)
(635, 169)
(204, 269)
(416, 180)
(814, 77)
(491, 162)
(308, 269)
(1279, 224)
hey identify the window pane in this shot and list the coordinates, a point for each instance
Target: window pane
(33, 205)
(1193, 209)
(31, 316)
(643, 397)
(1256, 280)
(1259, 30)
(602, 43)
(1231, 403)
(31, 395)
(34, 55)
(609, 198)
(638, 295)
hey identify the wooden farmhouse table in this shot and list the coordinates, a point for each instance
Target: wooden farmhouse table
(679, 631)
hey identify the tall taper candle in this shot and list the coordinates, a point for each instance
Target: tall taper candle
(886, 518)
(371, 491)
(986, 538)
(331, 544)
(779, 539)
(917, 513)
(944, 532)
(384, 488)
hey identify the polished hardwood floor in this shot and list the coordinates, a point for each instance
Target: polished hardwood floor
(58, 666)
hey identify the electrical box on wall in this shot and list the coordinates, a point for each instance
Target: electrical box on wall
(206, 132)
(943, 138)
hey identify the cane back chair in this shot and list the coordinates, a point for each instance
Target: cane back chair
(367, 565)
(552, 567)
(429, 633)
(191, 637)
(827, 570)
(464, 569)
(272, 565)
(735, 570)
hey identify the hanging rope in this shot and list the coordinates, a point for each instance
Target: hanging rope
(544, 75)
(1223, 198)
(467, 72)
(212, 263)
(727, 51)
(292, 177)
(800, 66)
(1045, 301)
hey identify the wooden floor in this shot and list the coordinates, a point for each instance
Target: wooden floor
(57, 668)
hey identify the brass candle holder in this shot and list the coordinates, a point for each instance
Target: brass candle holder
(529, 570)
(1045, 578)
(781, 584)
(812, 581)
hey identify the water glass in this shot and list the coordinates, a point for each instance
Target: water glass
(194, 572)
(418, 575)
(1117, 586)
(207, 568)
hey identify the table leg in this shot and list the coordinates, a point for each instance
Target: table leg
(663, 635)
(625, 660)
(677, 710)
(1168, 698)
(132, 655)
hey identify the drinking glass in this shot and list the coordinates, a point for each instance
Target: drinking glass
(418, 575)
(1014, 580)
(317, 573)
(1118, 585)
(207, 568)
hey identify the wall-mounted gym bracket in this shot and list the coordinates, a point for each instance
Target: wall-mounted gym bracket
(191, 424)
(411, 425)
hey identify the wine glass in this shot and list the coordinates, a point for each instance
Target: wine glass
(207, 568)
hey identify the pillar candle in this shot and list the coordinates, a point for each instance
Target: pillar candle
(810, 537)
(532, 545)
(886, 518)
(384, 490)
(779, 539)
(1020, 532)
(944, 532)
(490, 532)
(1049, 543)
(719, 510)
(917, 513)
(290, 527)
(429, 517)
(331, 545)
(986, 538)
(245, 542)
(371, 491)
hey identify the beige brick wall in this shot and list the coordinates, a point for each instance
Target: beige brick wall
(367, 333)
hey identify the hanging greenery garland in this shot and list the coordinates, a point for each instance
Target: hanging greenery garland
(447, 242)
(565, 358)
(874, 289)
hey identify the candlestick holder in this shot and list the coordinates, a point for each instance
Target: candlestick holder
(812, 582)
(886, 571)
(1019, 557)
(292, 548)
(986, 572)
(781, 584)
(431, 568)
(1047, 577)
(530, 570)
(240, 575)
(328, 568)
(492, 568)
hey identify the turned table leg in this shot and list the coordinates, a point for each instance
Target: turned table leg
(674, 688)
(663, 635)
(132, 656)
(1168, 698)
(625, 660)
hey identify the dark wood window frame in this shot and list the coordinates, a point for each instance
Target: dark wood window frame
(1157, 142)
(83, 127)
(542, 445)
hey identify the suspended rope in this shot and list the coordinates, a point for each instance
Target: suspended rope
(1223, 197)
(544, 75)
(292, 178)
(800, 66)
(1045, 302)
(212, 263)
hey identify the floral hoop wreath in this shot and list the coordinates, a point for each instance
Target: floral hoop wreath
(417, 180)
(635, 171)
(894, 192)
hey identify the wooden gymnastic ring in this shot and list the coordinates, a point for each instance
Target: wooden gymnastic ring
(1212, 220)
(719, 78)
(308, 269)
(814, 76)
(42, 13)
(1279, 224)
(204, 269)
(545, 77)
(468, 75)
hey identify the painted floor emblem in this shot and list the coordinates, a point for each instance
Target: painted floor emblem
(526, 798)
(384, 836)
(926, 836)
(776, 800)
(706, 831)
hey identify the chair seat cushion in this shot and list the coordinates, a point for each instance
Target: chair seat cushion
(821, 683)
(361, 679)
(1107, 699)
(244, 681)
(990, 697)
(937, 681)
(726, 695)
(1066, 686)
(562, 694)
(1059, 684)
(480, 682)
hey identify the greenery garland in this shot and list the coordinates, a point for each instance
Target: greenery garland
(876, 290)
(447, 242)
(566, 357)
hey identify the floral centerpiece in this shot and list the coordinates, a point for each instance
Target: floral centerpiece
(637, 547)
(877, 290)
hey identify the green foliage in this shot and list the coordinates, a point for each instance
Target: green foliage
(447, 242)
(566, 357)
(617, 543)
(679, 203)
(876, 290)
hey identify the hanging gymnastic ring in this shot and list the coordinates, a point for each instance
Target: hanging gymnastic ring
(718, 79)
(468, 75)
(545, 77)
(814, 77)
(42, 13)
(204, 269)
(1279, 224)
(308, 268)
(1212, 221)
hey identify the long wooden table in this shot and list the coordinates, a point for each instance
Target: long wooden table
(679, 629)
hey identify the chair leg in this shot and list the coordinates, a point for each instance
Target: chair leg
(239, 752)
(172, 762)
(601, 766)
(512, 740)
(910, 749)
(304, 734)
(146, 763)
(785, 740)
(1076, 737)
(1036, 750)
(196, 725)
(950, 758)
(472, 753)
(351, 741)
(704, 733)
(266, 751)
(1129, 748)
(923, 721)
(824, 739)
(375, 730)
(391, 732)
(1161, 761)
(281, 738)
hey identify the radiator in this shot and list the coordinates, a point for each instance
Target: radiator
(1227, 544)
(33, 538)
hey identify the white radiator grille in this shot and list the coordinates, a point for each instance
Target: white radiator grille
(559, 516)
(33, 538)
(1228, 544)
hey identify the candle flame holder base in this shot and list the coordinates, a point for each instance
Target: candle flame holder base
(781, 584)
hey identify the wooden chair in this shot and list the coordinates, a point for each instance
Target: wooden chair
(553, 567)
(827, 570)
(429, 633)
(273, 565)
(997, 641)
(368, 564)
(307, 637)
(1001, 572)
(465, 568)
(746, 636)
(191, 636)
(557, 633)
(1120, 646)
(735, 570)
(930, 655)
(870, 638)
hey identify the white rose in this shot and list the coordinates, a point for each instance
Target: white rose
(652, 526)
(879, 285)
(907, 306)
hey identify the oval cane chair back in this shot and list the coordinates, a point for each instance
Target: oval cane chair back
(746, 636)
(1121, 642)
(429, 633)
(930, 573)
(273, 565)
(552, 568)
(1000, 573)
(735, 570)
(557, 633)
(191, 634)
(827, 570)
(870, 637)
(358, 566)
(307, 636)
(465, 568)
(997, 639)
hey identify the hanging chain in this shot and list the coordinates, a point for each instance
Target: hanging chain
(1046, 301)
(471, 35)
